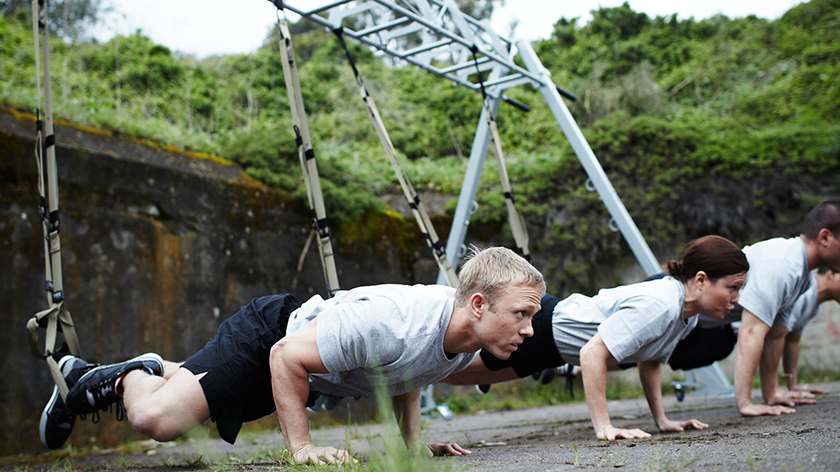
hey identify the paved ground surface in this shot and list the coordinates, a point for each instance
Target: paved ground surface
(549, 438)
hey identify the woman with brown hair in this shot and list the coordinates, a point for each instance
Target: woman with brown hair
(639, 323)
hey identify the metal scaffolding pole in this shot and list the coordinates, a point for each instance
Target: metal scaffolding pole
(436, 36)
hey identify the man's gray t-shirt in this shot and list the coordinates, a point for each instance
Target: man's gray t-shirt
(638, 322)
(390, 336)
(778, 275)
(805, 308)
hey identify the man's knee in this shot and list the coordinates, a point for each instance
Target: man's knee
(148, 420)
(157, 423)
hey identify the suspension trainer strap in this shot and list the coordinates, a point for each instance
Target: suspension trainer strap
(307, 158)
(517, 221)
(56, 317)
(421, 214)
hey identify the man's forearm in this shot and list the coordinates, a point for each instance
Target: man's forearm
(748, 351)
(407, 411)
(291, 409)
(790, 359)
(769, 363)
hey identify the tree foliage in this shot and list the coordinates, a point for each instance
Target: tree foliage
(69, 19)
(697, 123)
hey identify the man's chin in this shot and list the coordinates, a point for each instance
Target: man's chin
(502, 354)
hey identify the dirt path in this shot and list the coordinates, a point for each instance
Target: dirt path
(549, 438)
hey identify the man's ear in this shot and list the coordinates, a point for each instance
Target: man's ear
(822, 236)
(478, 304)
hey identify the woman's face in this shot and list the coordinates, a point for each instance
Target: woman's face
(719, 297)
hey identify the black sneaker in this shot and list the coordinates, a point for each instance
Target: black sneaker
(96, 390)
(483, 388)
(57, 420)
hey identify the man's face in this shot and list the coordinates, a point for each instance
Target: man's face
(719, 297)
(832, 284)
(829, 250)
(505, 327)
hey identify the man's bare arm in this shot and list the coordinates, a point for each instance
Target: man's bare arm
(748, 354)
(292, 359)
(407, 411)
(769, 368)
(790, 360)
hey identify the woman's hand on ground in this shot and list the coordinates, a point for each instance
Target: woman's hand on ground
(611, 433)
(672, 426)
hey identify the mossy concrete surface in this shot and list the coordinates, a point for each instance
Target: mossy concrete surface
(548, 438)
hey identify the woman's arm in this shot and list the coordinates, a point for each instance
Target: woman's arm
(650, 374)
(593, 363)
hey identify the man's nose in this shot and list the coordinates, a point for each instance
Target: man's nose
(527, 330)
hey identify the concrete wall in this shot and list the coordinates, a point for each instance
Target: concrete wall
(158, 248)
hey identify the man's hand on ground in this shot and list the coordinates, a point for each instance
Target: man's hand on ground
(791, 399)
(806, 388)
(752, 409)
(310, 454)
(450, 449)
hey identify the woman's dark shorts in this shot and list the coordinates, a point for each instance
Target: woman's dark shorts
(703, 346)
(238, 381)
(536, 353)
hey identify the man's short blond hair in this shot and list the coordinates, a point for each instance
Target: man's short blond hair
(491, 271)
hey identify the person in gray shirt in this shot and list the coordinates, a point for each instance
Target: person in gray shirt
(825, 286)
(779, 273)
(275, 353)
(639, 323)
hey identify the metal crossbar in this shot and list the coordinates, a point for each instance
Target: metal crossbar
(436, 36)
(431, 34)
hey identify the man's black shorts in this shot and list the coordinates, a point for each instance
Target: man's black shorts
(538, 352)
(238, 381)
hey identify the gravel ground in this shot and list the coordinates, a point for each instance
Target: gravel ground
(537, 439)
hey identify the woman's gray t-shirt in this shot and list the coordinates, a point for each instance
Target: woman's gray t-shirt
(638, 322)
(383, 336)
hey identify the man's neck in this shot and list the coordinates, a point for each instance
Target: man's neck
(459, 334)
(812, 252)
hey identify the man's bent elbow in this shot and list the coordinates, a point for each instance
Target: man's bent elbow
(276, 355)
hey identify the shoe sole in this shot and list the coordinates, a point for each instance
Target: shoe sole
(42, 427)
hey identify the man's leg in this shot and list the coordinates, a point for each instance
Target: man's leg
(164, 408)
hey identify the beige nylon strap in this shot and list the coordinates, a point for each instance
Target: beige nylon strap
(307, 158)
(56, 316)
(414, 202)
(517, 221)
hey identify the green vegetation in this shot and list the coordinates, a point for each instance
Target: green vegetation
(698, 124)
(527, 394)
